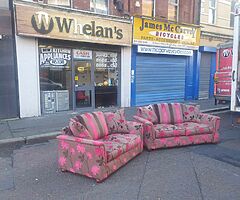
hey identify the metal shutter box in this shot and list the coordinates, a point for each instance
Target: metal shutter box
(160, 78)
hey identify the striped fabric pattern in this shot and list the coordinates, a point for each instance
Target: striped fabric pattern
(169, 113)
(95, 123)
(78, 130)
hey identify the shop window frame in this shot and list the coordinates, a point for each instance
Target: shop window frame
(89, 46)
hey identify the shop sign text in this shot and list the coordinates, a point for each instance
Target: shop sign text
(82, 54)
(163, 50)
(156, 33)
(54, 57)
(49, 23)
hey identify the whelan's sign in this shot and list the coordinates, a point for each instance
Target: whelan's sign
(156, 33)
(45, 22)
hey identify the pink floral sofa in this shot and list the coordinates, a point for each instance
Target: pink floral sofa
(97, 144)
(170, 125)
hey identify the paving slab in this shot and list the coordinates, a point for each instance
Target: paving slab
(6, 174)
(169, 175)
(5, 133)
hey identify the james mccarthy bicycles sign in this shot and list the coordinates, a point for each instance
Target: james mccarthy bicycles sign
(50, 23)
(149, 32)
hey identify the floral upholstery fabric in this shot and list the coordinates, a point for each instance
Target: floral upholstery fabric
(202, 129)
(147, 112)
(168, 130)
(169, 113)
(190, 113)
(192, 128)
(78, 130)
(117, 144)
(92, 158)
(116, 121)
(212, 120)
(95, 123)
(182, 141)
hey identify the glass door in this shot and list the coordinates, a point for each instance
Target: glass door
(83, 84)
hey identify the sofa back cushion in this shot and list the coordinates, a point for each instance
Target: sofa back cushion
(116, 121)
(148, 113)
(190, 113)
(95, 123)
(78, 130)
(169, 113)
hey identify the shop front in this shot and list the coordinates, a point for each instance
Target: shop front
(163, 62)
(77, 61)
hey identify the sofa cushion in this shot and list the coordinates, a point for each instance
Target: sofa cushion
(95, 123)
(168, 130)
(190, 112)
(78, 130)
(192, 128)
(116, 121)
(116, 144)
(148, 113)
(169, 113)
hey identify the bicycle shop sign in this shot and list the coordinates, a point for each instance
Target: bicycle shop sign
(157, 33)
(43, 22)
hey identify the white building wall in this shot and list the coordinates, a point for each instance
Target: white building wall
(125, 76)
(28, 76)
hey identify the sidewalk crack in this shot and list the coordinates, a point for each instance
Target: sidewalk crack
(143, 176)
(197, 178)
(10, 130)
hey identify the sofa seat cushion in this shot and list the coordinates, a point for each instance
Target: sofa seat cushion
(168, 130)
(117, 144)
(192, 128)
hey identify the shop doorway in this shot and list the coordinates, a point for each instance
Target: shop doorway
(83, 84)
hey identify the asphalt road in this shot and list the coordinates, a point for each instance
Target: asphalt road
(195, 172)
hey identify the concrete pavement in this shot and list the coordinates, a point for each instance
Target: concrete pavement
(204, 172)
(28, 130)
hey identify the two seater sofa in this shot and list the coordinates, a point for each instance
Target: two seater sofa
(97, 144)
(175, 124)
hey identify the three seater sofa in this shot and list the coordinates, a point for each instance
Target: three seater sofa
(175, 124)
(97, 144)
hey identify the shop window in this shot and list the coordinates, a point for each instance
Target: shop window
(173, 7)
(99, 6)
(212, 12)
(106, 79)
(233, 3)
(55, 70)
(59, 2)
(148, 8)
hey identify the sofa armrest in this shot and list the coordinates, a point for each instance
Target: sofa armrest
(147, 127)
(91, 150)
(211, 120)
(80, 140)
(135, 127)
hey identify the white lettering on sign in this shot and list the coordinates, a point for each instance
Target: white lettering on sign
(167, 51)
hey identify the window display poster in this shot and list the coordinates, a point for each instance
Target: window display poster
(54, 57)
(106, 59)
(79, 54)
